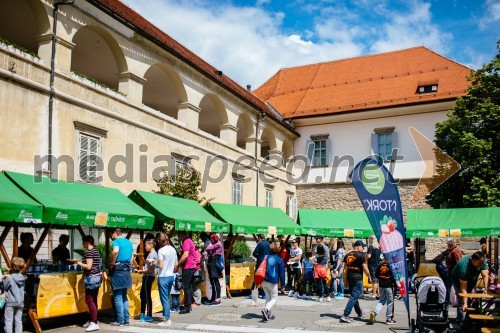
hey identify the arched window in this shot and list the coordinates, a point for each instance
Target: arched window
(163, 90)
(245, 130)
(97, 56)
(21, 21)
(268, 142)
(212, 115)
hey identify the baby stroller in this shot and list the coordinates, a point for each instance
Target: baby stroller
(432, 313)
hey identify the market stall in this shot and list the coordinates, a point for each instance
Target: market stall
(336, 223)
(186, 215)
(75, 205)
(251, 220)
(457, 222)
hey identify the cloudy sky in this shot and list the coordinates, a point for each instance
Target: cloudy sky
(251, 40)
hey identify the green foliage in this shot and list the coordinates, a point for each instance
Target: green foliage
(20, 48)
(186, 183)
(97, 82)
(240, 249)
(471, 135)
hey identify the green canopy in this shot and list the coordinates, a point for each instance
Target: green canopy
(255, 220)
(17, 206)
(188, 214)
(74, 204)
(458, 222)
(335, 223)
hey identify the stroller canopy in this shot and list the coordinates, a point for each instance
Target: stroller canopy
(431, 283)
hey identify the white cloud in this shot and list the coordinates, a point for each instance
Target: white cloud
(246, 43)
(412, 28)
(249, 44)
(492, 9)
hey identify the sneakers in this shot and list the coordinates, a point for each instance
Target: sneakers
(339, 296)
(309, 297)
(263, 296)
(165, 323)
(86, 324)
(115, 323)
(185, 310)
(328, 299)
(216, 303)
(373, 297)
(390, 322)
(296, 295)
(92, 327)
(149, 319)
(290, 293)
(265, 314)
(142, 318)
(346, 319)
(254, 304)
(372, 317)
(361, 316)
(271, 317)
(320, 299)
(172, 310)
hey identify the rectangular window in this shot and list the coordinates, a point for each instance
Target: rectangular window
(89, 158)
(291, 206)
(269, 198)
(237, 190)
(385, 145)
(319, 156)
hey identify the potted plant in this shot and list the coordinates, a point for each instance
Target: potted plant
(240, 250)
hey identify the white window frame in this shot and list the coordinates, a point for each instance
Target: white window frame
(269, 197)
(291, 205)
(237, 190)
(99, 140)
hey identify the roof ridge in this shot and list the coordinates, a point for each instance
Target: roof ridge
(442, 56)
(356, 57)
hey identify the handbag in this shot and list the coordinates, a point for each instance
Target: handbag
(260, 273)
(219, 263)
(93, 281)
(198, 277)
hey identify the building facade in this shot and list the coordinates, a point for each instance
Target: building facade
(124, 103)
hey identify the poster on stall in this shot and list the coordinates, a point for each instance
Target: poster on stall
(379, 196)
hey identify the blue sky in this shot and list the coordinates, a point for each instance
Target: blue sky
(251, 40)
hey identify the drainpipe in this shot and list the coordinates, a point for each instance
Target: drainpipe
(259, 120)
(52, 93)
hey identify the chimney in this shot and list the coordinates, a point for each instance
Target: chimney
(249, 87)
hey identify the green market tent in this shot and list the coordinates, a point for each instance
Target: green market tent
(188, 214)
(335, 223)
(255, 220)
(77, 204)
(458, 222)
(17, 206)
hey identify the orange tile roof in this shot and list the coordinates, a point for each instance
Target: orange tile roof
(139, 24)
(363, 83)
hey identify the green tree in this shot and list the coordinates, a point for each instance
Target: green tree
(471, 135)
(186, 183)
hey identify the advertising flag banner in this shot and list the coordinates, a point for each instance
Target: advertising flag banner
(379, 196)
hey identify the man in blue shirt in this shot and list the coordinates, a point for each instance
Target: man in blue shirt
(121, 276)
(262, 249)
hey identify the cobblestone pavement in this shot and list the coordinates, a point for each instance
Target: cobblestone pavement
(237, 315)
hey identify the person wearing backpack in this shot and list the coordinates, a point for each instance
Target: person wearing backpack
(275, 273)
(175, 293)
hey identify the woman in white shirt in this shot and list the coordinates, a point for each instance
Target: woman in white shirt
(167, 264)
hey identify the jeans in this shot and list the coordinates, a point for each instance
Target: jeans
(187, 286)
(339, 288)
(91, 300)
(356, 288)
(176, 302)
(321, 286)
(215, 284)
(146, 300)
(271, 291)
(13, 317)
(121, 305)
(164, 287)
(386, 296)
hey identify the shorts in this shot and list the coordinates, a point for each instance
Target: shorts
(372, 270)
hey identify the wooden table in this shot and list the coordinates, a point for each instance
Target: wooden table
(479, 297)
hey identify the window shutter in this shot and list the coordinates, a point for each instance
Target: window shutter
(84, 148)
(328, 151)
(294, 207)
(374, 144)
(309, 152)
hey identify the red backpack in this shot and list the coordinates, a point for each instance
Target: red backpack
(260, 273)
